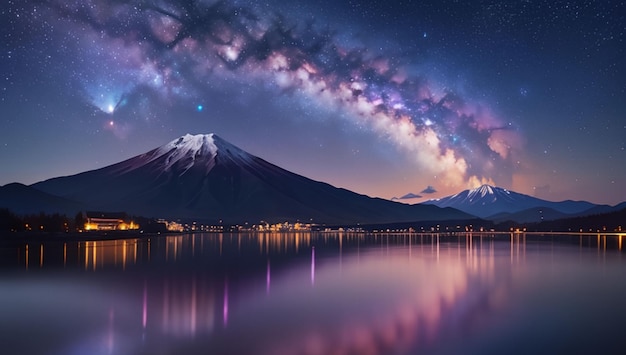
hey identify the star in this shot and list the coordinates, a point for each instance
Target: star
(461, 105)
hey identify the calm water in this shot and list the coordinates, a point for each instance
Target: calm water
(305, 293)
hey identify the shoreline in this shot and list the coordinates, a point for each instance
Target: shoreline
(9, 237)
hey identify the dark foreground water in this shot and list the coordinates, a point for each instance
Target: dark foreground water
(307, 293)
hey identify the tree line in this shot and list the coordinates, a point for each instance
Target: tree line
(42, 222)
(59, 223)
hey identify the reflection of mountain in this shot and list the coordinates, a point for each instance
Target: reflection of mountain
(212, 291)
(316, 293)
(206, 178)
(369, 303)
(365, 301)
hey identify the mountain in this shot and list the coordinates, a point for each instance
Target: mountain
(494, 203)
(22, 199)
(535, 214)
(612, 221)
(602, 209)
(204, 177)
(541, 214)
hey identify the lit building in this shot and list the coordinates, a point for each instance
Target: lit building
(106, 221)
(172, 226)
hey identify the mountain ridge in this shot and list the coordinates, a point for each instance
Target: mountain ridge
(496, 203)
(23, 199)
(206, 177)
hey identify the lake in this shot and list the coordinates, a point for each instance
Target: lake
(314, 293)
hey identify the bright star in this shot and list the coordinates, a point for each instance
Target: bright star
(199, 108)
(111, 108)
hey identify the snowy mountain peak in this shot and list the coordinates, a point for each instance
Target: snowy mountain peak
(187, 149)
(483, 191)
(487, 200)
(487, 190)
(199, 144)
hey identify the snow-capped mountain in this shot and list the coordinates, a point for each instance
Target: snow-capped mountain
(206, 178)
(486, 201)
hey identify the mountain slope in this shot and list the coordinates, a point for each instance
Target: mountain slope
(535, 214)
(22, 199)
(206, 178)
(487, 201)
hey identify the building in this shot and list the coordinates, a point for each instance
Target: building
(108, 221)
(172, 226)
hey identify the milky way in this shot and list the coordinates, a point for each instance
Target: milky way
(134, 59)
(171, 48)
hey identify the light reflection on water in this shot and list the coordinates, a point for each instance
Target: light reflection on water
(308, 293)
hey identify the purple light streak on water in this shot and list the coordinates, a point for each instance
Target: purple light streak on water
(267, 278)
(144, 317)
(313, 266)
(225, 307)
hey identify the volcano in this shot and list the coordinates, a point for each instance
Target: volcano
(492, 202)
(205, 178)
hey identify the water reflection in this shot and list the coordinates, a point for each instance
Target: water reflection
(119, 254)
(300, 293)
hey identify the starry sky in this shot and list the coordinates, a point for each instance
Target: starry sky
(420, 99)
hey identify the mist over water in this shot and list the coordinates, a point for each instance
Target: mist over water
(314, 293)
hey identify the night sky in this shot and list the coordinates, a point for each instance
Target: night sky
(382, 98)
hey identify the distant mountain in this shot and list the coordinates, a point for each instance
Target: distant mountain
(496, 203)
(601, 209)
(540, 214)
(22, 199)
(535, 214)
(204, 177)
(609, 222)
